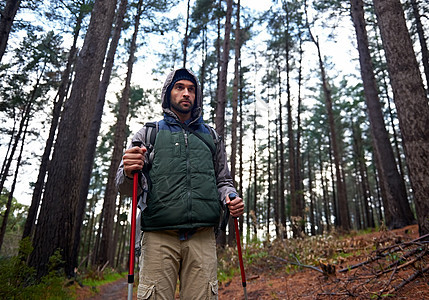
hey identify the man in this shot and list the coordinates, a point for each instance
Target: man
(187, 185)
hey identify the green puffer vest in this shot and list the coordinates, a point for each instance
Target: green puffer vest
(183, 193)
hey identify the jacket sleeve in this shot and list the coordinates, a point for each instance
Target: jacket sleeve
(123, 183)
(225, 184)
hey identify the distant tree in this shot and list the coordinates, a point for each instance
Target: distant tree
(12, 190)
(343, 210)
(58, 209)
(15, 223)
(31, 72)
(410, 100)
(203, 17)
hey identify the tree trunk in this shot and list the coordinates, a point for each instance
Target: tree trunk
(298, 159)
(96, 124)
(9, 145)
(221, 97)
(294, 206)
(240, 149)
(25, 115)
(400, 210)
(255, 172)
(58, 210)
(343, 213)
(221, 90)
(62, 92)
(98, 238)
(277, 189)
(410, 100)
(422, 39)
(281, 196)
(6, 20)
(234, 122)
(360, 173)
(326, 210)
(186, 39)
(311, 196)
(107, 245)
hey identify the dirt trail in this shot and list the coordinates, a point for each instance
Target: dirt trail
(271, 281)
(111, 291)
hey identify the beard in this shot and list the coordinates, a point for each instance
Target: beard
(183, 110)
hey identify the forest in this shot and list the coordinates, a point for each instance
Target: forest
(323, 106)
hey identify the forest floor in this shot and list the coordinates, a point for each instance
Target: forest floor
(376, 265)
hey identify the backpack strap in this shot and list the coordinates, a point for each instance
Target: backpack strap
(216, 137)
(191, 130)
(152, 129)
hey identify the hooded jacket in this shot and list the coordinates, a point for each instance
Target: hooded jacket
(188, 186)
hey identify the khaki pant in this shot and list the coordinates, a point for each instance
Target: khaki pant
(164, 257)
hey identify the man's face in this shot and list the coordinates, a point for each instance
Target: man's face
(182, 98)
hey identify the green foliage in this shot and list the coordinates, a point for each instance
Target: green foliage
(18, 280)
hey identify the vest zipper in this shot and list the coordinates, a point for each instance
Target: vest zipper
(188, 177)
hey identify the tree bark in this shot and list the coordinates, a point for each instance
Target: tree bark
(410, 100)
(58, 105)
(107, 245)
(96, 124)
(58, 209)
(399, 208)
(422, 39)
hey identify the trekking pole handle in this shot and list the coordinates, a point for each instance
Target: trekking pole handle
(232, 196)
(136, 144)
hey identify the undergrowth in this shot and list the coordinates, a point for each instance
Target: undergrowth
(18, 280)
(309, 250)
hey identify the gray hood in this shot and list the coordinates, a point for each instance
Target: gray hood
(197, 110)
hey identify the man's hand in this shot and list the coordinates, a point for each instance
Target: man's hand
(236, 206)
(133, 160)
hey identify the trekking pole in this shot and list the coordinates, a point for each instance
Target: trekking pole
(133, 228)
(240, 255)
